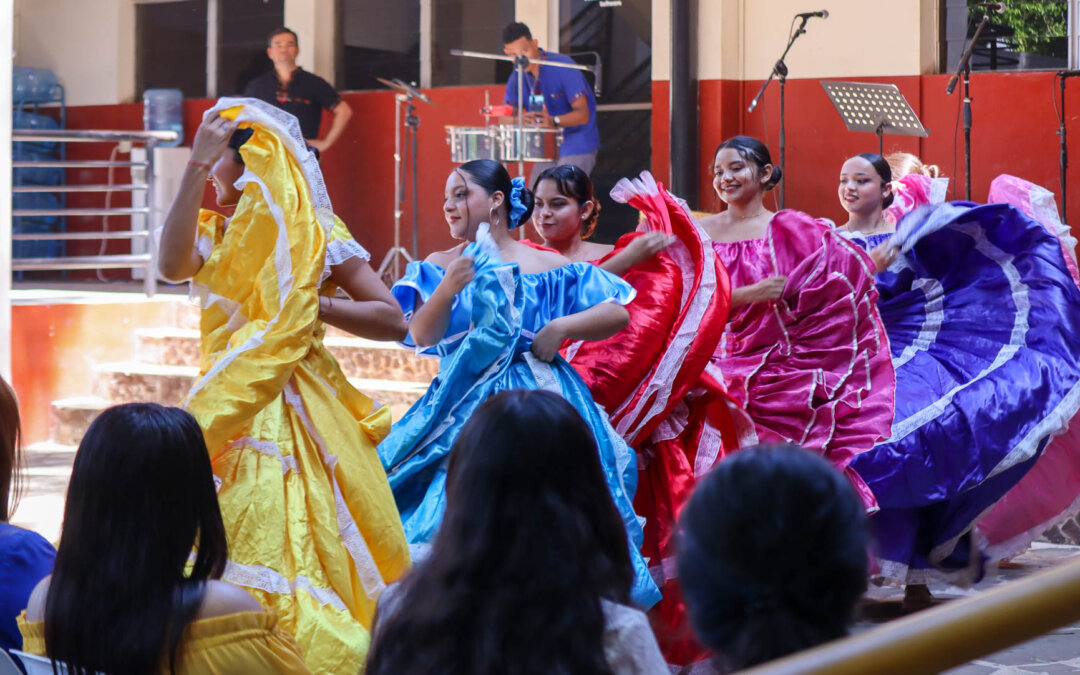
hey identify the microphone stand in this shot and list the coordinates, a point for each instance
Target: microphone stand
(963, 69)
(780, 71)
(1063, 157)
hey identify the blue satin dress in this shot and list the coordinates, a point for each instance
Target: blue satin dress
(983, 321)
(485, 351)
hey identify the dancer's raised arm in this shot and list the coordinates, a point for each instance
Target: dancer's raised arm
(178, 260)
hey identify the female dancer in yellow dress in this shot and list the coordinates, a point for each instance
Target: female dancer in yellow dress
(312, 526)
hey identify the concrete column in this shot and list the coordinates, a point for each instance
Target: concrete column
(7, 22)
(537, 15)
(314, 22)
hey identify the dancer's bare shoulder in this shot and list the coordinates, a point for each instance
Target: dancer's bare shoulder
(444, 258)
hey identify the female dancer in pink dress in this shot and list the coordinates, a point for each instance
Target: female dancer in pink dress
(804, 351)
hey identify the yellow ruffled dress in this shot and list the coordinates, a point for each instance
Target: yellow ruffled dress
(312, 526)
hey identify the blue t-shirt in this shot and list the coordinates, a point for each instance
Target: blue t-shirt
(560, 87)
(25, 559)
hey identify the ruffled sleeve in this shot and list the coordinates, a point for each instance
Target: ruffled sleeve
(340, 247)
(576, 287)
(414, 289)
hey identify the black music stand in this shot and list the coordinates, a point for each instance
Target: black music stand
(876, 108)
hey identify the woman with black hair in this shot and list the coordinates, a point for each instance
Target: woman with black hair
(310, 517)
(772, 555)
(128, 594)
(983, 319)
(530, 571)
(496, 312)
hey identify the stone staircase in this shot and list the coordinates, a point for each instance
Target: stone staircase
(165, 364)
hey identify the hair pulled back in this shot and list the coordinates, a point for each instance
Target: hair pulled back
(884, 171)
(755, 152)
(141, 498)
(574, 183)
(905, 163)
(530, 543)
(772, 557)
(493, 177)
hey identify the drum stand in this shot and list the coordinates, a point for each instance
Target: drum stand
(521, 64)
(404, 97)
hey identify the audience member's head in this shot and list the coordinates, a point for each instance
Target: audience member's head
(530, 543)
(772, 557)
(10, 452)
(142, 534)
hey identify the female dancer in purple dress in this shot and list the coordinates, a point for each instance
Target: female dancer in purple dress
(983, 320)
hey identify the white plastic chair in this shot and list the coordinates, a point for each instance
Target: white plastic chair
(38, 665)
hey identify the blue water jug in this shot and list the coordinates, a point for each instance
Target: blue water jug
(163, 110)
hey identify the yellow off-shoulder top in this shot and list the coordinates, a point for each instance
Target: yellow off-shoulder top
(245, 642)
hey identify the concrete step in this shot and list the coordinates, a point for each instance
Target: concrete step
(70, 417)
(48, 471)
(129, 381)
(134, 381)
(358, 357)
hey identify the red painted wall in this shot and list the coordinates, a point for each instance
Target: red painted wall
(1014, 131)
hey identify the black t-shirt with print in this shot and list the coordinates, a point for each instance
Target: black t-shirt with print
(305, 96)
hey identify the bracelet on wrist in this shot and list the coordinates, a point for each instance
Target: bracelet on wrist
(203, 165)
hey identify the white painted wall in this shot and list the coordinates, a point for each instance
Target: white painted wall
(741, 39)
(541, 18)
(89, 44)
(314, 24)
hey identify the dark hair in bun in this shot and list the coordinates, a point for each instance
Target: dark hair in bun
(755, 152)
(794, 584)
(574, 183)
(238, 138)
(493, 177)
(881, 165)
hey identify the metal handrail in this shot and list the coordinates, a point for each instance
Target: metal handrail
(950, 635)
(112, 261)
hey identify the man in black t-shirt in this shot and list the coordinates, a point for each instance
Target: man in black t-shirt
(299, 92)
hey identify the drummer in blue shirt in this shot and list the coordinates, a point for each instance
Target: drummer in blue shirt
(555, 97)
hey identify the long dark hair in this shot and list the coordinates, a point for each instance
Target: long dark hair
(757, 153)
(772, 557)
(530, 543)
(10, 451)
(493, 177)
(884, 171)
(574, 183)
(141, 498)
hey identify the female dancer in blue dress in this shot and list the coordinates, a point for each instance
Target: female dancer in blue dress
(496, 311)
(983, 320)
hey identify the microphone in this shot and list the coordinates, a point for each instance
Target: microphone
(998, 7)
(824, 14)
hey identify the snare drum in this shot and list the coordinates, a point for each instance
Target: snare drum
(469, 143)
(541, 144)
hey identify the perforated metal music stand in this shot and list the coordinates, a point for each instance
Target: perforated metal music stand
(877, 108)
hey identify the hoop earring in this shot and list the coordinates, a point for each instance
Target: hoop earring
(491, 217)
